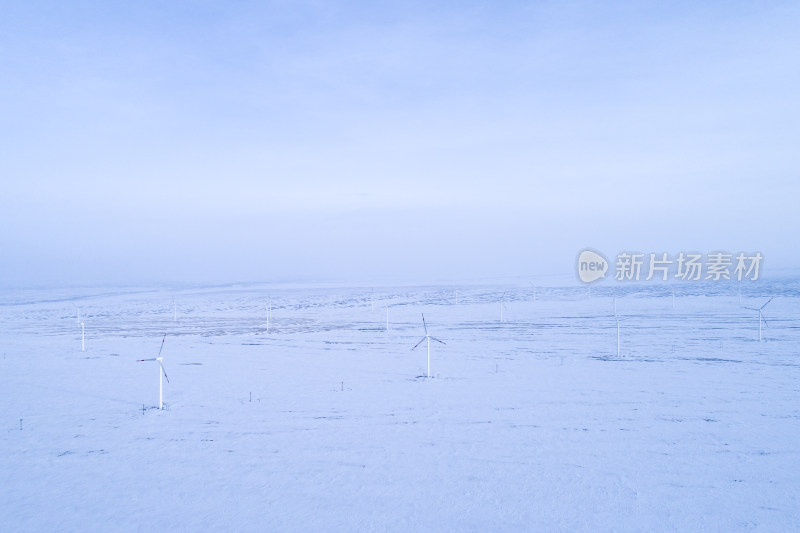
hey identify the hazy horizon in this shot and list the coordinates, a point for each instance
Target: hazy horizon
(208, 143)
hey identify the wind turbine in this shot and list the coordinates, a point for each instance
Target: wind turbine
(161, 371)
(427, 338)
(760, 316)
(618, 320)
(269, 313)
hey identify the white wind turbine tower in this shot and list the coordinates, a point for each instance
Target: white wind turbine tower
(161, 371)
(269, 313)
(427, 338)
(503, 306)
(760, 316)
(618, 320)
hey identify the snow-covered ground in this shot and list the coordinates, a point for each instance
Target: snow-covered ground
(327, 423)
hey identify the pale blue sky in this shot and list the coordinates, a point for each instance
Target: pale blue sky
(254, 141)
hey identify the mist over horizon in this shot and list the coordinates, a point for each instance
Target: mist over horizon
(258, 142)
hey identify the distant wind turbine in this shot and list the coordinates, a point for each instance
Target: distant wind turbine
(618, 320)
(503, 306)
(760, 316)
(269, 313)
(427, 338)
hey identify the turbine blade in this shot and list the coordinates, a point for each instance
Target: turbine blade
(765, 320)
(424, 324)
(751, 308)
(420, 342)
(768, 301)
(164, 371)
(162, 344)
(437, 340)
(151, 359)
